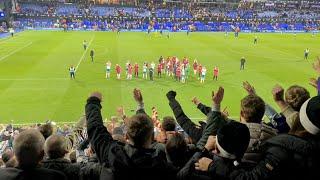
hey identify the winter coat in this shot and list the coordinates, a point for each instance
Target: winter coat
(30, 174)
(194, 131)
(125, 161)
(286, 157)
(63, 165)
(259, 133)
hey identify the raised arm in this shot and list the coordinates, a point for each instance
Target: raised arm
(99, 137)
(183, 120)
(203, 108)
(214, 120)
(139, 99)
(316, 82)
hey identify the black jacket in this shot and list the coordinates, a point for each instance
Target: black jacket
(194, 131)
(63, 165)
(92, 170)
(286, 157)
(125, 161)
(219, 169)
(30, 174)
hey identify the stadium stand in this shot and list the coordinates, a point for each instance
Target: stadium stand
(265, 16)
(144, 146)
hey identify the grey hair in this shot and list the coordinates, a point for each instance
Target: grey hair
(55, 146)
(28, 147)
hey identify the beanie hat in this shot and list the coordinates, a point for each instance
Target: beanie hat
(310, 115)
(232, 140)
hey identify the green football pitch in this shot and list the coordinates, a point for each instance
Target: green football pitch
(35, 84)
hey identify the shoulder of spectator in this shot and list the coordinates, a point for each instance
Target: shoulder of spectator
(290, 114)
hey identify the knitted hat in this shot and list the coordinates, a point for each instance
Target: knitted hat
(310, 115)
(233, 140)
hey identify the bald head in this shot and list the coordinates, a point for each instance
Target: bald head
(55, 146)
(28, 148)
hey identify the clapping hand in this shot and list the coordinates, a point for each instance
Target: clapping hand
(218, 96)
(278, 93)
(203, 164)
(137, 95)
(249, 88)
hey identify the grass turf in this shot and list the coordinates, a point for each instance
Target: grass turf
(35, 84)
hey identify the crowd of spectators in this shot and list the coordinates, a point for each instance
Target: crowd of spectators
(144, 146)
(260, 16)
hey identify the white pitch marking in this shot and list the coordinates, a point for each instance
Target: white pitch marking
(85, 52)
(13, 52)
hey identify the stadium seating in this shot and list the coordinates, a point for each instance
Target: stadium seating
(262, 144)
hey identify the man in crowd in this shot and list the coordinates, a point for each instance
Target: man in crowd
(28, 150)
(56, 149)
(134, 160)
(313, 81)
(294, 155)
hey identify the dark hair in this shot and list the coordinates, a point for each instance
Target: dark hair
(140, 129)
(176, 148)
(252, 108)
(168, 124)
(46, 130)
(296, 95)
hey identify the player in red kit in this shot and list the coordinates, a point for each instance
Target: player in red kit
(199, 70)
(159, 69)
(136, 70)
(185, 61)
(118, 71)
(174, 60)
(178, 73)
(163, 65)
(167, 65)
(195, 67)
(215, 73)
(170, 68)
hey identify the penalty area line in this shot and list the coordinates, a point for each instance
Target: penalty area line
(84, 53)
(15, 51)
